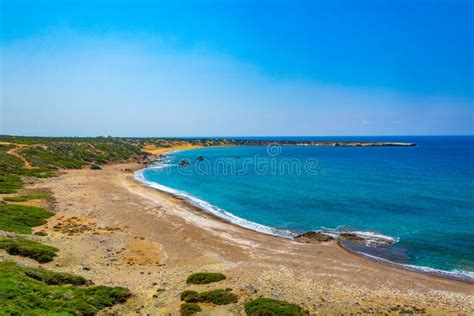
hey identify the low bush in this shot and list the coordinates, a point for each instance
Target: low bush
(268, 306)
(191, 297)
(28, 248)
(188, 309)
(22, 294)
(26, 197)
(106, 296)
(218, 297)
(20, 218)
(205, 278)
(10, 183)
(55, 278)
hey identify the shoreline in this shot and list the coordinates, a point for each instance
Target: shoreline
(228, 217)
(123, 233)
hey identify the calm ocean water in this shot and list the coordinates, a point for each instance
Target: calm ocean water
(421, 196)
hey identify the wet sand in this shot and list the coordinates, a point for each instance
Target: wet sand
(115, 231)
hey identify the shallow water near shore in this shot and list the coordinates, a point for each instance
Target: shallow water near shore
(421, 197)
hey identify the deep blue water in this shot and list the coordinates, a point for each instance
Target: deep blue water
(423, 196)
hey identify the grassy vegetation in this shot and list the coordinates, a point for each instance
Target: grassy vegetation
(218, 297)
(28, 248)
(20, 219)
(12, 168)
(47, 155)
(76, 155)
(188, 309)
(26, 291)
(10, 183)
(191, 297)
(27, 197)
(205, 278)
(55, 278)
(271, 307)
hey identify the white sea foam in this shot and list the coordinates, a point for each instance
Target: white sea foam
(371, 238)
(214, 210)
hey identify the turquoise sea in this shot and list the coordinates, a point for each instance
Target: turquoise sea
(421, 197)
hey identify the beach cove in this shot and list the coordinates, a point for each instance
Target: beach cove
(148, 241)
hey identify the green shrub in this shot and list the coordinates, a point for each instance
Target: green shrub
(191, 297)
(20, 219)
(205, 278)
(188, 309)
(28, 248)
(73, 154)
(219, 297)
(15, 199)
(10, 183)
(55, 278)
(21, 294)
(107, 296)
(26, 197)
(271, 307)
(47, 155)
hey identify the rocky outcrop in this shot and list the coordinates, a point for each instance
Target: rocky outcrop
(313, 238)
(95, 167)
(352, 238)
(184, 163)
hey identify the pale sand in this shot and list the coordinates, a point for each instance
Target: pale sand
(152, 149)
(116, 231)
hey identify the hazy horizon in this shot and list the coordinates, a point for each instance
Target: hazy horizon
(236, 136)
(86, 68)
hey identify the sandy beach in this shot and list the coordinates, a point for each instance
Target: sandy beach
(115, 231)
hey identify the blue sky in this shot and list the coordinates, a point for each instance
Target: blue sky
(157, 68)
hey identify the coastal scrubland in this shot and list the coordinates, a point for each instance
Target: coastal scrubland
(26, 197)
(204, 278)
(39, 292)
(20, 218)
(65, 228)
(28, 248)
(41, 157)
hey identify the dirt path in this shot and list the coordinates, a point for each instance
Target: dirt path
(14, 152)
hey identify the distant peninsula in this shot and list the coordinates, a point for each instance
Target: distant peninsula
(151, 144)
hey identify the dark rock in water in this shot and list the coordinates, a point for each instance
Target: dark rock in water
(200, 158)
(313, 238)
(184, 163)
(351, 237)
